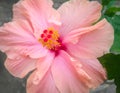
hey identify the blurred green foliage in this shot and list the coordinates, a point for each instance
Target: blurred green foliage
(115, 21)
(111, 61)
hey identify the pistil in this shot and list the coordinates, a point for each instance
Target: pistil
(50, 39)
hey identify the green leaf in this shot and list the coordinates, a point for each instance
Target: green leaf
(112, 11)
(108, 3)
(105, 2)
(112, 64)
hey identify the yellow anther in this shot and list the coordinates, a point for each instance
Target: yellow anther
(50, 38)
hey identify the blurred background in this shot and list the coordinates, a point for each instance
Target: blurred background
(10, 84)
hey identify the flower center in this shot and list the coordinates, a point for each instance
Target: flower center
(50, 39)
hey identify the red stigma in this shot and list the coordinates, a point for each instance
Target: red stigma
(49, 36)
(45, 40)
(51, 32)
(42, 35)
(45, 31)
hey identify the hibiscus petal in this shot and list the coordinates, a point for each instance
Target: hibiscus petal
(78, 13)
(47, 84)
(91, 71)
(39, 13)
(17, 37)
(64, 76)
(20, 66)
(43, 66)
(95, 42)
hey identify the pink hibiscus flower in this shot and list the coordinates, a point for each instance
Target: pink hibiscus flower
(60, 46)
